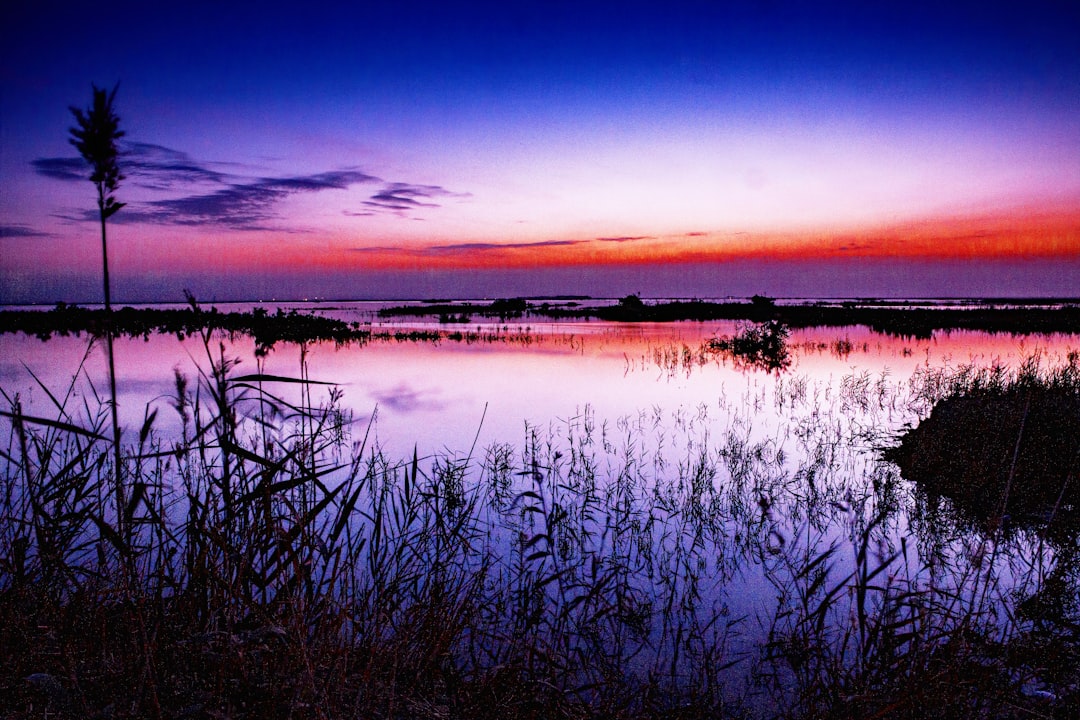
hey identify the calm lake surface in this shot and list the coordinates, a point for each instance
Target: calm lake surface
(454, 394)
(791, 458)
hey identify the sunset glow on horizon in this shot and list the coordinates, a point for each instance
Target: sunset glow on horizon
(589, 148)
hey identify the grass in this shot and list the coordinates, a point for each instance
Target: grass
(267, 575)
(762, 345)
(1003, 445)
(267, 329)
(272, 563)
(892, 318)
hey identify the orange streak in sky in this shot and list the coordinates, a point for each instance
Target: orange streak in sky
(1001, 237)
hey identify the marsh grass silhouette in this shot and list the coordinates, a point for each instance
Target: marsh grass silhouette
(95, 137)
(283, 570)
(897, 318)
(759, 345)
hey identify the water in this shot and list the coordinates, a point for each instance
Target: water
(442, 396)
(732, 479)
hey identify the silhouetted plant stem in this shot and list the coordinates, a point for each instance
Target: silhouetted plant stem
(95, 139)
(117, 472)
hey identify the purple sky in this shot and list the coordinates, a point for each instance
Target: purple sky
(492, 149)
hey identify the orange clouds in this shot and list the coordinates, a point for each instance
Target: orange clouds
(1004, 236)
(999, 236)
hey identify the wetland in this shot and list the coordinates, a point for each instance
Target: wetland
(544, 508)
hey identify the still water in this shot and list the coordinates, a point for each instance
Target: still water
(718, 482)
(453, 395)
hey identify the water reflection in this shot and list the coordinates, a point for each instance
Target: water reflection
(639, 505)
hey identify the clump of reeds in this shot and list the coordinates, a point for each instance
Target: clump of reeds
(878, 634)
(208, 587)
(762, 345)
(1003, 444)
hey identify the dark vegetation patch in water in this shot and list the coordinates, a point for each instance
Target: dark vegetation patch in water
(1004, 448)
(265, 327)
(461, 311)
(293, 326)
(892, 319)
(999, 453)
(761, 345)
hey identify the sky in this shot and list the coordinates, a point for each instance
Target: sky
(388, 150)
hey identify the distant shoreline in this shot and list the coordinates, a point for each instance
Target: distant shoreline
(324, 302)
(905, 318)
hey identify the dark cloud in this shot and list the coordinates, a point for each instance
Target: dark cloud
(161, 168)
(376, 249)
(208, 195)
(84, 215)
(465, 247)
(144, 165)
(223, 199)
(401, 197)
(62, 168)
(482, 247)
(14, 231)
(248, 205)
(625, 238)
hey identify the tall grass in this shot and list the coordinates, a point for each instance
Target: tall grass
(1003, 443)
(277, 564)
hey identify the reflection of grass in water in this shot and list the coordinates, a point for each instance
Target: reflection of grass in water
(593, 571)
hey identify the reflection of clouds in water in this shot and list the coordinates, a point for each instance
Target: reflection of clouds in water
(403, 398)
(11, 370)
(152, 388)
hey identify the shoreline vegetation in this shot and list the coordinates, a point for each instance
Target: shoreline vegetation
(267, 563)
(892, 318)
(266, 328)
(1003, 446)
(901, 319)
